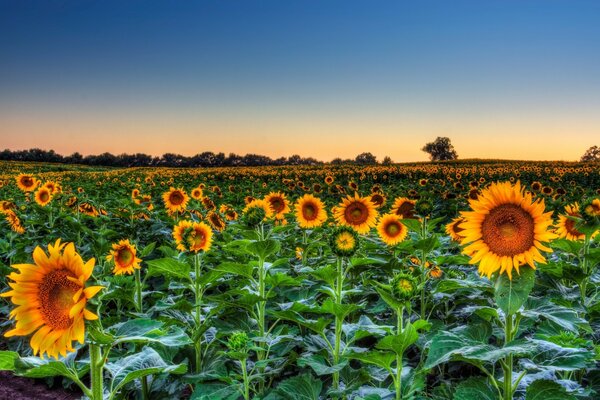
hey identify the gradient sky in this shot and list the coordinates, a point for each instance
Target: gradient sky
(513, 79)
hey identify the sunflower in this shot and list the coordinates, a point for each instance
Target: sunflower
(192, 236)
(175, 200)
(14, 222)
(391, 230)
(404, 207)
(404, 286)
(278, 203)
(454, 230)
(505, 229)
(378, 199)
(51, 296)
(215, 220)
(329, 179)
(43, 196)
(592, 208)
(135, 193)
(27, 183)
(123, 254)
(257, 211)
(343, 241)
(53, 187)
(435, 272)
(197, 193)
(357, 212)
(566, 225)
(310, 212)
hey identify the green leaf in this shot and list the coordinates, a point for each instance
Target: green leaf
(168, 267)
(566, 318)
(244, 270)
(550, 356)
(382, 359)
(146, 362)
(412, 224)
(34, 367)
(303, 387)
(341, 311)
(7, 360)
(319, 364)
(136, 327)
(510, 295)
(475, 388)
(263, 248)
(390, 300)
(427, 244)
(358, 262)
(545, 389)
(214, 391)
(146, 251)
(399, 343)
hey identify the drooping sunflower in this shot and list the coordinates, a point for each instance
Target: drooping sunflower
(43, 196)
(27, 183)
(175, 200)
(215, 220)
(391, 230)
(344, 241)
(454, 230)
(592, 208)
(404, 207)
(357, 212)
(53, 187)
(310, 212)
(124, 256)
(378, 199)
(566, 226)
(257, 211)
(278, 203)
(505, 229)
(192, 236)
(14, 222)
(51, 297)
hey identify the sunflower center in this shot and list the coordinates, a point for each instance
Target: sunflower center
(277, 205)
(44, 196)
(309, 212)
(508, 230)
(27, 181)
(125, 257)
(393, 229)
(176, 198)
(356, 213)
(56, 298)
(406, 210)
(197, 239)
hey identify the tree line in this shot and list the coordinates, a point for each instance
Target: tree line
(205, 159)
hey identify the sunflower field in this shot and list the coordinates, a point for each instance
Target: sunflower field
(462, 280)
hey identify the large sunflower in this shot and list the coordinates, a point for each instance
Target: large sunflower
(391, 230)
(43, 196)
(404, 207)
(124, 256)
(51, 296)
(192, 236)
(505, 229)
(278, 203)
(27, 183)
(357, 212)
(310, 212)
(175, 200)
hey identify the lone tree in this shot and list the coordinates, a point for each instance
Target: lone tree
(591, 154)
(365, 159)
(440, 150)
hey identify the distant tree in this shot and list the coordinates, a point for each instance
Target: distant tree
(387, 161)
(591, 154)
(365, 159)
(440, 150)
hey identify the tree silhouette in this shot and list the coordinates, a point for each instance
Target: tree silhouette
(591, 154)
(440, 150)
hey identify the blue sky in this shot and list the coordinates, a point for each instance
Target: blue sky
(321, 78)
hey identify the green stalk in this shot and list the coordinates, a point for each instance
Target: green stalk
(584, 267)
(96, 367)
(399, 329)
(508, 368)
(339, 283)
(198, 302)
(246, 382)
(139, 307)
(423, 272)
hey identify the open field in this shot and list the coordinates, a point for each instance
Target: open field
(473, 279)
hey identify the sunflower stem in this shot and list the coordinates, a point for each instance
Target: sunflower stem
(96, 367)
(508, 368)
(138, 291)
(198, 302)
(399, 329)
(339, 283)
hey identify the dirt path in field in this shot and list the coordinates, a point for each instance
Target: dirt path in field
(16, 388)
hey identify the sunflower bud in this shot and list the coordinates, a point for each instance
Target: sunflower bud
(404, 286)
(238, 342)
(344, 241)
(424, 207)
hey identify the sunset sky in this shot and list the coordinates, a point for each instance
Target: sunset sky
(503, 79)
